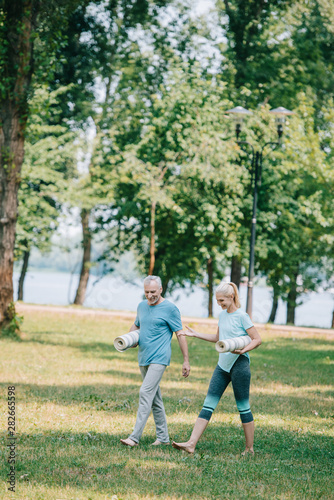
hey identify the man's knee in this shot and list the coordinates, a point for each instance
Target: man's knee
(147, 393)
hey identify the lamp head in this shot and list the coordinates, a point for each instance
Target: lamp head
(239, 114)
(280, 117)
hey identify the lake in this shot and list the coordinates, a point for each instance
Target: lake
(116, 294)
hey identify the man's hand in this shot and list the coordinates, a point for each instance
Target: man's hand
(185, 369)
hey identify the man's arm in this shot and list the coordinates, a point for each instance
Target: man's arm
(184, 349)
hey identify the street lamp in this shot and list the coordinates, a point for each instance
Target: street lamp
(239, 113)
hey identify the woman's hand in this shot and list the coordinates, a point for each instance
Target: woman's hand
(255, 342)
(238, 351)
(190, 332)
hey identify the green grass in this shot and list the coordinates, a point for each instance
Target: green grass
(77, 396)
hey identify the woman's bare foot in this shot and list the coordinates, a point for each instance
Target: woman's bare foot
(159, 443)
(129, 442)
(184, 446)
(247, 451)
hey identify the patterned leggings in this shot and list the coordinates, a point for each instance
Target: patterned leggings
(240, 377)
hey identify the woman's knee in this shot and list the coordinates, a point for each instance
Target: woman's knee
(244, 411)
(247, 417)
(205, 414)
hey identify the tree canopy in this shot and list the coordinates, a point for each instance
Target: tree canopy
(141, 90)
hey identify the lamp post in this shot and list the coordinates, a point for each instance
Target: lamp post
(239, 113)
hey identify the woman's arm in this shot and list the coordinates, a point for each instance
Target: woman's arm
(210, 337)
(255, 342)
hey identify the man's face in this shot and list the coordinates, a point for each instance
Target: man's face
(152, 292)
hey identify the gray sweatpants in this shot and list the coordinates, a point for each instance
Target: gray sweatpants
(150, 398)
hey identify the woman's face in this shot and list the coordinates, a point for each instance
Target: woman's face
(224, 301)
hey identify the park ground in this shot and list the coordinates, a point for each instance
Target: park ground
(76, 396)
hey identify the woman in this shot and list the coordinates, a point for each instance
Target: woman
(232, 367)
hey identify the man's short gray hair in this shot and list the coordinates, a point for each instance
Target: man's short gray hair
(148, 280)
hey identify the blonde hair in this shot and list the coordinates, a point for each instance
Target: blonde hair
(229, 289)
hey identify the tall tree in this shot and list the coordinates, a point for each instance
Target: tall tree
(49, 163)
(16, 21)
(22, 23)
(176, 199)
(103, 58)
(293, 212)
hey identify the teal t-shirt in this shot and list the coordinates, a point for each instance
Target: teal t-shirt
(156, 324)
(232, 325)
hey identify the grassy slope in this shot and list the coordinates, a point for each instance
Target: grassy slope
(77, 396)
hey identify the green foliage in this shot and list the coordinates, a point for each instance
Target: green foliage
(277, 49)
(293, 208)
(138, 74)
(12, 323)
(182, 164)
(49, 164)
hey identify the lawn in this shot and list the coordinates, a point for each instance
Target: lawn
(76, 396)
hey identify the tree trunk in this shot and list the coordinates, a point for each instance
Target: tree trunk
(274, 307)
(332, 320)
(236, 270)
(152, 241)
(85, 213)
(19, 16)
(165, 286)
(210, 285)
(85, 268)
(292, 300)
(24, 269)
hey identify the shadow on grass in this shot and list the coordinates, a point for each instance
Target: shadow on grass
(282, 360)
(278, 347)
(102, 350)
(119, 398)
(97, 461)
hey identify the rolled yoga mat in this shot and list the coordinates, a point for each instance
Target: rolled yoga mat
(126, 341)
(229, 345)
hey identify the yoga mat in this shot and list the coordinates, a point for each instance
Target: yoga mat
(126, 341)
(229, 345)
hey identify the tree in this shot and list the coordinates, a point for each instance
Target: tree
(49, 163)
(176, 200)
(293, 213)
(108, 60)
(29, 32)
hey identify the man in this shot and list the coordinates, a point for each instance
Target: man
(157, 319)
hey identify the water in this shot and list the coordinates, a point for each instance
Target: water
(114, 293)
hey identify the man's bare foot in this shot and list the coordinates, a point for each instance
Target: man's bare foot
(184, 447)
(159, 443)
(248, 451)
(129, 442)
